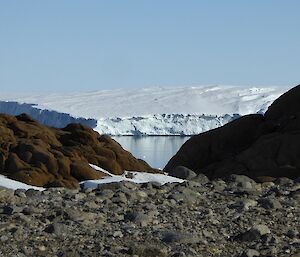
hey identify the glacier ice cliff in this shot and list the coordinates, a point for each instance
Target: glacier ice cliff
(146, 111)
(46, 117)
(162, 124)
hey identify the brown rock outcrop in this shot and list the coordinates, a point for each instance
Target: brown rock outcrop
(254, 145)
(43, 156)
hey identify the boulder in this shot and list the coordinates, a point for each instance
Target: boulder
(260, 147)
(48, 157)
(183, 173)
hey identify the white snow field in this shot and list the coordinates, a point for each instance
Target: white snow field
(156, 111)
(136, 177)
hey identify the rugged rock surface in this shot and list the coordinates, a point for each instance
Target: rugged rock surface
(228, 218)
(43, 156)
(261, 147)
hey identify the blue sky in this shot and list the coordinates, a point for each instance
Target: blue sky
(65, 45)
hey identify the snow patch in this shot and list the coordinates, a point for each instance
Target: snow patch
(137, 177)
(13, 184)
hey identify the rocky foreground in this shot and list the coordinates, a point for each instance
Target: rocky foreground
(231, 217)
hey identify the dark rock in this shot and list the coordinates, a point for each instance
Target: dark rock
(285, 107)
(182, 172)
(254, 145)
(20, 192)
(11, 209)
(179, 237)
(250, 253)
(57, 228)
(201, 178)
(69, 253)
(6, 195)
(148, 250)
(254, 233)
(138, 218)
(241, 180)
(270, 203)
(291, 233)
(32, 193)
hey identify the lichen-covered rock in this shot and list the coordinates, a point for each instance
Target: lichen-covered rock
(43, 156)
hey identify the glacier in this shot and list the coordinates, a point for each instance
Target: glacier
(148, 111)
(47, 117)
(162, 124)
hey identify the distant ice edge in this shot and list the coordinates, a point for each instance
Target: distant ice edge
(162, 124)
(44, 116)
(146, 125)
(154, 111)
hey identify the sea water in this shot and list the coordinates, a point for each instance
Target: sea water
(155, 150)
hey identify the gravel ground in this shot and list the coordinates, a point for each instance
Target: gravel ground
(232, 217)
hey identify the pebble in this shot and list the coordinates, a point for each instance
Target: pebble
(231, 217)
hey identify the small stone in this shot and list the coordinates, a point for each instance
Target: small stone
(120, 197)
(183, 173)
(32, 193)
(248, 203)
(154, 185)
(118, 234)
(42, 248)
(241, 179)
(261, 229)
(270, 203)
(130, 185)
(3, 238)
(207, 234)
(138, 218)
(201, 178)
(105, 193)
(20, 193)
(148, 250)
(283, 181)
(250, 253)
(6, 195)
(291, 233)
(11, 209)
(69, 253)
(179, 237)
(110, 186)
(219, 185)
(254, 233)
(57, 228)
(244, 204)
(141, 194)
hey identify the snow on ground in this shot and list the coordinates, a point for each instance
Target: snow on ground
(13, 184)
(137, 177)
(156, 111)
